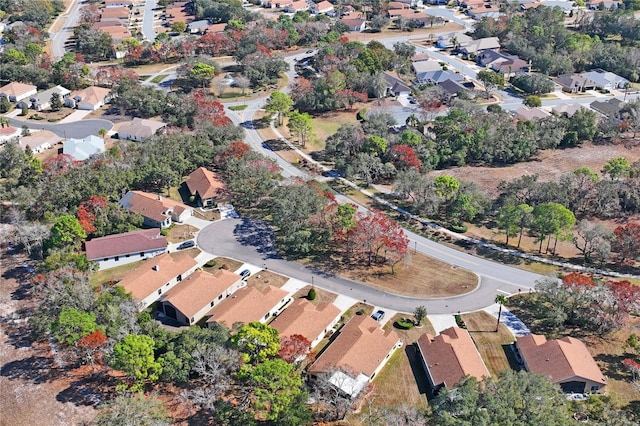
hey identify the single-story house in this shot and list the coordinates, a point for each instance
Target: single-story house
(157, 211)
(309, 320)
(357, 354)
(478, 46)
(198, 27)
(606, 80)
(602, 4)
(89, 99)
(566, 109)
(453, 88)
(116, 31)
(395, 86)
(189, 301)
(117, 13)
(140, 129)
(118, 3)
(39, 141)
(355, 24)
(609, 108)
(510, 67)
(395, 5)
(435, 77)
(428, 65)
(42, 100)
(155, 276)
(322, 7)
(452, 39)
(205, 186)
(405, 14)
(179, 12)
(574, 83)
(450, 356)
(484, 10)
(120, 249)
(9, 132)
(16, 91)
(83, 149)
(567, 362)
(296, 6)
(528, 114)
(250, 304)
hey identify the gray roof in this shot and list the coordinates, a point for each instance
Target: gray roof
(605, 78)
(438, 76)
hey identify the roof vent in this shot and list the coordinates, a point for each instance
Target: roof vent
(157, 268)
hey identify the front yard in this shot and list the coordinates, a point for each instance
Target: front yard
(493, 347)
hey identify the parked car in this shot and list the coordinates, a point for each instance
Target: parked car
(186, 245)
(245, 274)
(378, 315)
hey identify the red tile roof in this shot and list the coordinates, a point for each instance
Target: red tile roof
(305, 318)
(151, 205)
(123, 244)
(246, 305)
(204, 182)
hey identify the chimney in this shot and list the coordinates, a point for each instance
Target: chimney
(156, 267)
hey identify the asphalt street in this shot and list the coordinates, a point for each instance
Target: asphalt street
(77, 129)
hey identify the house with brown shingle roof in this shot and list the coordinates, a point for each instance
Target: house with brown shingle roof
(309, 320)
(157, 211)
(250, 304)
(156, 276)
(89, 99)
(450, 356)
(16, 91)
(359, 352)
(119, 13)
(139, 129)
(189, 301)
(567, 362)
(574, 83)
(120, 249)
(205, 186)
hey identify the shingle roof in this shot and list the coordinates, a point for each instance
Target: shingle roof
(204, 182)
(142, 128)
(198, 290)
(92, 94)
(154, 273)
(561, 359)
(450, 356)
(150, 205)
(305, 318)
(16, 88)
(246, 305)
(360, 347)
(123, 244)
(82, 149)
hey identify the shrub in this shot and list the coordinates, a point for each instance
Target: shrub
(362, 115)
(52, 120)
(459, 228)
(238, 107)
(494, 108)
(312, 294)
(211, 263)
(164, 232)
(404, 324)
(459, 321)
(360, 312)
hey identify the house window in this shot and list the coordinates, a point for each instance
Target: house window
(105, 259)
(267, 316)
(159, 291)
(179, 278)
(141, 254)
(116, 258)
(193, 320)
(127, 255)
(595, 388)
(219, 297)
(213, 302)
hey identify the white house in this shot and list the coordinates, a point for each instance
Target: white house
(42, 100)
(89, 99)
(16, 91)
(82, 149)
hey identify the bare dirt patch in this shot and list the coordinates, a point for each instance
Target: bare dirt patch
(322, 296)
(181, 233)
(265, 278)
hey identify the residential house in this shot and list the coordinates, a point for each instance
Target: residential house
(429, 65)
(16, 91)
(566, 109)
(435, 77)
(118, 3)
(395, 86)
(420, 56)
(121, 249)
(438, 2)
(250, 304)
(309, 320)
(140, 129)
(8, 133)
(606, 80)
(357, 354)
(476, 47)
(565, 361)
(453, 39)
(89, 99)
(205, 185)
(115, 13)
(39, 141)
(322, 7)
(179, 12)
(486, 10)
(574, 83)
(189, 301)
(117, 32)
(412, 3)
(405, 14)
(603, 4)
(42, 100)
(296, 6)
(217, 28)
(510, 67)
(454, 88)
(355, 24)
(198, 27)
(609, 108)
(529, 114)
(395, 5)
(157, 211)
(83, 149)
(155, 276)
(450, 356)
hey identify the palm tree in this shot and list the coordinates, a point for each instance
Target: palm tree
(501, 299)
(102, 133)
(4, 122)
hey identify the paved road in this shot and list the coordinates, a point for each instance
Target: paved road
(252, 241)
(78, 129)
(70, 17)
(451, 15)
(147, 21)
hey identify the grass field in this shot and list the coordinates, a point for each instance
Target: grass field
(112, 274)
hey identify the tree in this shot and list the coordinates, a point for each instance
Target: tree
(404, 157)
(420, 313)
(446, 186)
(532, 101)
(72, 325)
(90, 345)
(66, 231)
(617, 168)
(627, 241)
(375, 232)
(279, 103)
(55, 102)
(178, 27)
(5, 106)
(500, 299)
(257, 342)
(491, 80)
(534, 83)
(294, 347)
(202, 73)
(552, 219)
(508, 219)
(243, 83)
(133, 409)
(300, 126)
(135, 356)
(592, 239)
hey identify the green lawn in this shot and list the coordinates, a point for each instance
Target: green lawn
(112, 274)
(158, 79)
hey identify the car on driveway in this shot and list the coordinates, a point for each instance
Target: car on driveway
(245, 274)
(378, 315)
(186, 245)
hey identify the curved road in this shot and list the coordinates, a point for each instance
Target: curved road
(77, 129)
(147, 20)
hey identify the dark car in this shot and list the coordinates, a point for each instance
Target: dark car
(378, 315)
(245, 274)
(187, 244)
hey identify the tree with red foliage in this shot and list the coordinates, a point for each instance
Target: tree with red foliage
(404, 157)
(109, 76)
(349, 97)
(209, 109)
(87, 211)
(90, 347)
(374, 231)
(300, 88)
(235, 150)
(632, 365)
(293, 347)
(59, 165)
(576, 279)
(627, 242)
(626, 299)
